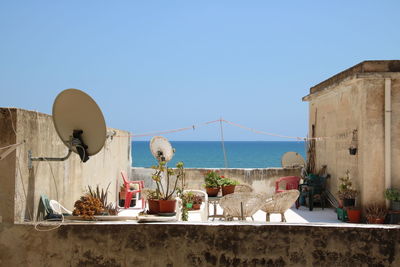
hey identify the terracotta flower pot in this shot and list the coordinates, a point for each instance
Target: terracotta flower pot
(376, 220)
(167, 206)
(196, 206)
(212, 191)
(353, 215)
(154, 206)
(228, 189)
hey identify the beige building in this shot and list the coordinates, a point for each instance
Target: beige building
(361, 107)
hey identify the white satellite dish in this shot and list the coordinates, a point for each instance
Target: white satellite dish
(79, 123)
(292, 159)
(161, 148)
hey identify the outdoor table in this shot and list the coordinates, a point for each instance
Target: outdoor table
(215, 201)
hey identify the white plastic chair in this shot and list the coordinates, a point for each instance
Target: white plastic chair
(58, 208)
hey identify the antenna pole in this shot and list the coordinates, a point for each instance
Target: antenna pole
(223, 144)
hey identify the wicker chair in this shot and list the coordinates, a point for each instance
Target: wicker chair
(280, 203)
(243, 188)
(240, 202)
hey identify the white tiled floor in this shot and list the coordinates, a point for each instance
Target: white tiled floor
(293, 215)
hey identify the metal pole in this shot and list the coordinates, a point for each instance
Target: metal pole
(223, 144)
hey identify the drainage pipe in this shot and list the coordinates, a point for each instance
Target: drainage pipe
(388, 126)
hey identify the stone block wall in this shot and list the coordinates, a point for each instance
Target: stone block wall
(199, 245)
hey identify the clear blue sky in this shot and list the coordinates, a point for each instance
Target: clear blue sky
(158, 65)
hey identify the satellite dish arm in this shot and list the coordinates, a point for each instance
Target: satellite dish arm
(46, 158)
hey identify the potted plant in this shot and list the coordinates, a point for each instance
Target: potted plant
(394, 196)
(375, 213)
(93, 203)
(152, 201)
(353, 214)
(227, 185)
(165, 193)
(188, 197)
(197, 200)
(211, 179)
(346, 192)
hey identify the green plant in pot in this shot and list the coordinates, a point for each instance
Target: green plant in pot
(166, 192)
(197, 200)
(227, 185)
(394, 196)
(375, 213)
(346, 191)
(188, 199)
(211, 179)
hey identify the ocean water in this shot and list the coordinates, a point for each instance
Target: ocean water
(209, 154)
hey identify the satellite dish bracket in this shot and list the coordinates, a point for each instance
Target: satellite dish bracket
(160, 156)
(75, 141)
(46, 158)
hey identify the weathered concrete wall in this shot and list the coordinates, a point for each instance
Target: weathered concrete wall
(354, 101)
(7, 165)
(395, 133)
(335, 116)
(262, 180)
(71, 176)
(199, 245)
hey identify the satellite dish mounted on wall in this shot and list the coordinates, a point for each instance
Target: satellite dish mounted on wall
(161, 148)
(79, 123)
(292, 159)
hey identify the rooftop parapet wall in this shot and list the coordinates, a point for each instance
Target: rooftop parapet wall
(262, 180)
(227, 244)
(21, 187)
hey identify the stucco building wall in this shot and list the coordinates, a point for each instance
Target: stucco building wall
(355, 100)
(21, 187)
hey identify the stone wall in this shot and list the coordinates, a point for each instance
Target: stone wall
(356, 101)
(199, 245)
(21, 187)
(262, 180)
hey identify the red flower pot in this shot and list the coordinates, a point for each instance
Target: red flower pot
(212, 191)
(154, 206)
(196, 206)
(353, 215)
(167, 206)
(228, 189)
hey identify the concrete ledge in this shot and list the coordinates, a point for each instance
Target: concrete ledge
(199, 245)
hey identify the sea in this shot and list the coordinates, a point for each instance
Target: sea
(209, 154)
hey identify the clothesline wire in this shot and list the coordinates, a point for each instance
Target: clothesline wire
(194, 126)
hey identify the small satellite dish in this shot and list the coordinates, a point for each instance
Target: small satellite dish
(161, 148)
(292, 159)
(79, 123)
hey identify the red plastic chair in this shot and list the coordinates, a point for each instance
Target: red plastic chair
(129, 192)
(291, 182)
